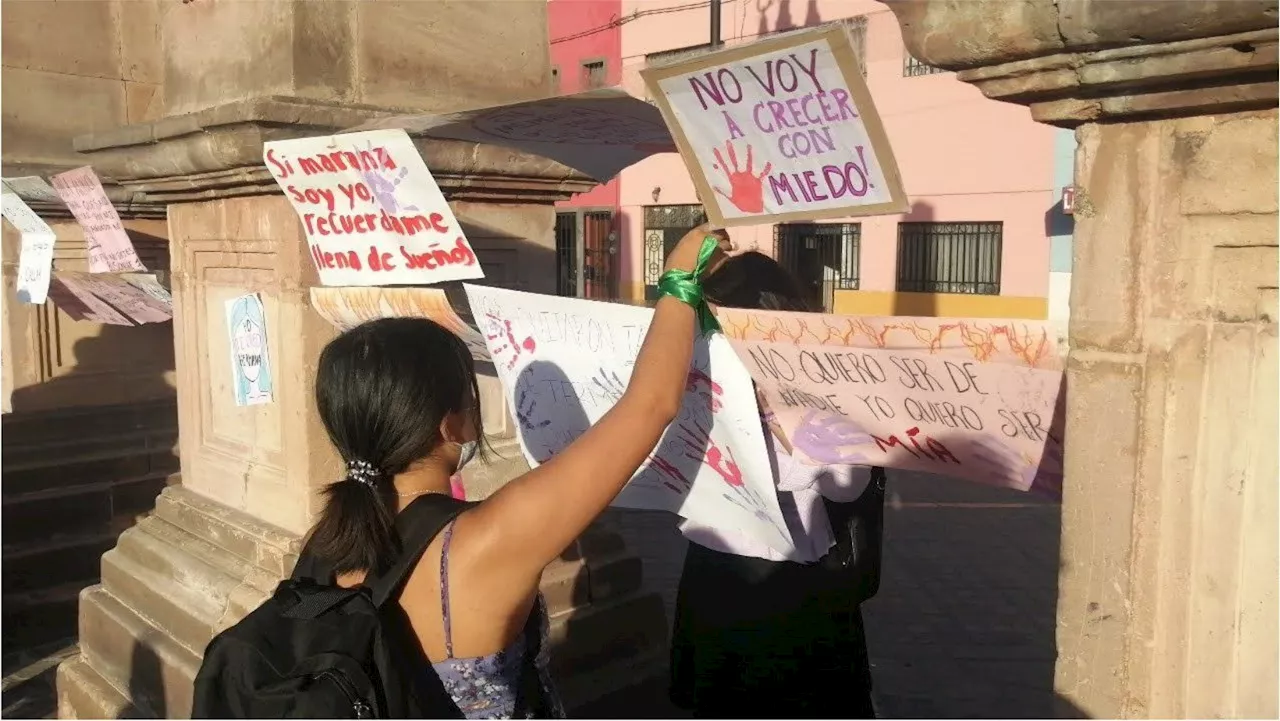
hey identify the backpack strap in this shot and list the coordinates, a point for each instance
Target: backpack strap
(417, 525)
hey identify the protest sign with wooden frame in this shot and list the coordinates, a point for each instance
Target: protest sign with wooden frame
(850, 126)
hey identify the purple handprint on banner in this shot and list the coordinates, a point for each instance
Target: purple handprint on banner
(608, 386)
(833, 439)
(525, 406)
(1006, 465)
(383, 188)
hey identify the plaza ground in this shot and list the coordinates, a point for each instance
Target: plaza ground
(963, 626)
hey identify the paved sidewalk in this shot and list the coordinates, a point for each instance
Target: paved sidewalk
(963, 626)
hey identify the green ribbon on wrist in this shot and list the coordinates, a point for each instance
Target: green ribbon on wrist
(686, 286)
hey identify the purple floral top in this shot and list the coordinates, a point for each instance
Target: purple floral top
(486, 687)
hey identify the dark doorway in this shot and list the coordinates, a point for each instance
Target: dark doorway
(822, 256)
(567, 254)
(587, 254)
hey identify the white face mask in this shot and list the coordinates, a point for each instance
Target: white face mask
(466, 452)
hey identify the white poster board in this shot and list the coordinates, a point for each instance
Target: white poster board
(35, 259)
(371, 211)
(780, 130)
(564, 362)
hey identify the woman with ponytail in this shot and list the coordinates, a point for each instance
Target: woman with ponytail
(398, 398)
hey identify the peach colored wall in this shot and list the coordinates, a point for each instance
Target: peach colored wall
(963, 157)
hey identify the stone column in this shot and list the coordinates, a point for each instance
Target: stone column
(1167, 591)
(217, 544)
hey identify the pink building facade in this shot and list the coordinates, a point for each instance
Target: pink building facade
(586, 53)
(979, 173)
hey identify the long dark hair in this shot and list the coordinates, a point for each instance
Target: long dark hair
(382, 390)
(756, 281)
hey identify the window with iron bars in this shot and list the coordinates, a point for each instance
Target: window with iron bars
(912, 68)
(823, 257)
(593, 74)
(950, 257)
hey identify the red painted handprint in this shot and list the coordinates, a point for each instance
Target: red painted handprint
(504, 331)
(700, 384)
(746, 190)
(720, 461)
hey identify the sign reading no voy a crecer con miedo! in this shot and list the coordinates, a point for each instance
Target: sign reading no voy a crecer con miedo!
(372, 213)
(781, 129)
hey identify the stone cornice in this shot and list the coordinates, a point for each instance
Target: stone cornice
(217, 153)
(1077, 61)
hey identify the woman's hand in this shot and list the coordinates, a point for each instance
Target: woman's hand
(685, 255)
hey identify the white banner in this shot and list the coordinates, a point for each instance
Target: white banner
(35, 259)
(564, 362)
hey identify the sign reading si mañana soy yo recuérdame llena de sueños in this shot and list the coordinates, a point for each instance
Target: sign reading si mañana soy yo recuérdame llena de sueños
(781, 129)
(372, 213)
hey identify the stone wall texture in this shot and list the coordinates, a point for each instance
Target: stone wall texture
(1167, 604)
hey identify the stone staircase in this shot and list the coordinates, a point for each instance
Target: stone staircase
(73, 479)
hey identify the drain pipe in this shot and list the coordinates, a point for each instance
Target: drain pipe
(715, 23)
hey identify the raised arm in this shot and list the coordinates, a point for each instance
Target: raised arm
(534, 518)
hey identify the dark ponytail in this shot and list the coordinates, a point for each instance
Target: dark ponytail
(382, 390)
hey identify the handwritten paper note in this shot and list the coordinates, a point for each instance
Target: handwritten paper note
(33, 187)
(109, 298)
(79, 303)
(149, 284)
(780, 129)
(347, 308)
(35, 259)
(371, 210)
(110, 249)
(564, 362)
(127, 298)
(946, 409)
(251, 378)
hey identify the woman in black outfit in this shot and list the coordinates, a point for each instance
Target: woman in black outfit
(759, 635)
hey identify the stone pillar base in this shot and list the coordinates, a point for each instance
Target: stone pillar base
(195, 567)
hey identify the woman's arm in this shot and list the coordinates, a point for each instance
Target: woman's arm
(531, 520)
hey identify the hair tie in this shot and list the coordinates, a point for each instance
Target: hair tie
(686, 286)
(363, 472)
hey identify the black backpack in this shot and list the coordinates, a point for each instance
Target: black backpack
(858, 527)
(316, 650)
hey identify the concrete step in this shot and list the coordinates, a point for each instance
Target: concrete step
(158, 671)
(68, 428)
(83, 694)
(102, 508)
(36, 617)
(69, 470)
(253, 583)
(186, 603)
(267, 547)
(43, 563)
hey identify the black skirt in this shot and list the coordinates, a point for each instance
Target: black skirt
(754, 638)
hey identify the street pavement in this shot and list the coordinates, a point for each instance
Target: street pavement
(963, 625)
